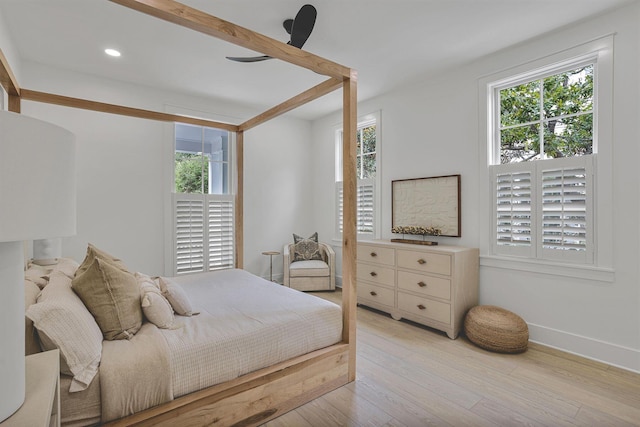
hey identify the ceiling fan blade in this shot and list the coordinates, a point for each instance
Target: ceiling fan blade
(287, 24)
(303, 25)
(299, 28)
(249, 59)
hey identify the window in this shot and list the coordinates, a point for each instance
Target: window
(542, 153)
(367, 155)
(203, 205)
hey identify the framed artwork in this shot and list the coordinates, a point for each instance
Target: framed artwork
(426, 206)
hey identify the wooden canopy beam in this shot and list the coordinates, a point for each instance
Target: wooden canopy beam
(315, 92)
(7, 79)
(32, 95)
(202, 22)
(10, 84)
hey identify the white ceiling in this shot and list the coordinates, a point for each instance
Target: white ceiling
(389, 42)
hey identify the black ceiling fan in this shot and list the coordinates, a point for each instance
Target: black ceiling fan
(299, 28)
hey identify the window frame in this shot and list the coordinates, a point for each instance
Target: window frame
(209, 237)
(363, 121)
(599, 51)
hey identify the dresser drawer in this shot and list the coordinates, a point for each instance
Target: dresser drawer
(424, 285)
(377, 294)
(376, 274)
(425, 261)
(424, 307)
(376, 254)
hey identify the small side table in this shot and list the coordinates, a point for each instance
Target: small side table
(41, 407)
(271, 254)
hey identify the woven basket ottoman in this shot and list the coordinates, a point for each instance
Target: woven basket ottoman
(496, 329)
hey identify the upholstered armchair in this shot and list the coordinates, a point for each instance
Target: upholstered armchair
(310, 275)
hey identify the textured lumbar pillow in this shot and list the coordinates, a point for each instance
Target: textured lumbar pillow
(176, 296)
(113, 298)
(155, 307)
(305, 249)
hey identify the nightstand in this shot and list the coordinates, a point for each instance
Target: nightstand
(41, 407)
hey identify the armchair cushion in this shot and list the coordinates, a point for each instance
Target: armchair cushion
(306, 248)
(311, 268)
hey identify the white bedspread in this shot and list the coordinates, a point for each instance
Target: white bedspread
(246, 323)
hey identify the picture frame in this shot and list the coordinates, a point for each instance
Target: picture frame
(431, 203)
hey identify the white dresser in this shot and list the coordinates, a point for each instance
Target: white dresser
(431, 285)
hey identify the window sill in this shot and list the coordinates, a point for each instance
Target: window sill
(585, 272)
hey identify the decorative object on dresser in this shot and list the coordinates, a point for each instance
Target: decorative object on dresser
(426, 207)
(38, 156)
(309, 265)
(434, 286)
(496, 329)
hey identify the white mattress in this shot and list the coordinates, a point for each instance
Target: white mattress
(245, 323)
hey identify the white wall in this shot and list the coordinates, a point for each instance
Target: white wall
(431, 129)
(124, 169)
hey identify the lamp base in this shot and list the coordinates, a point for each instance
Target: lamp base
(12, 361)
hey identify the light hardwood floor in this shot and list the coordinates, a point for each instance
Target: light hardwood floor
(409, 375)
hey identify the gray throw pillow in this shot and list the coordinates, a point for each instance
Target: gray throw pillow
(305, 249)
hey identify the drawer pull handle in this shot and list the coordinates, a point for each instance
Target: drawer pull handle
(421, 307)
(373, 294)
(422, 284)
(373, 274)
(373, 254)
(421, 261)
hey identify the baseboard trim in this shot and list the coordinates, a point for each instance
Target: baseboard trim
(600, 351)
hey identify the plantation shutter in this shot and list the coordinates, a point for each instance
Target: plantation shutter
(565, 189)
(365, 217)
(513, 204)
(189, 233)
(560, 228)
(339, 206)
(365, 206)
(204, 233)
(220, 232)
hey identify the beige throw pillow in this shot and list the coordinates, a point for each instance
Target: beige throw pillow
(155, 307)
(64, 323)
(93, 253)
(112, 296)
(176, 296)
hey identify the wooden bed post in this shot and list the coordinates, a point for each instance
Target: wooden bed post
(239, 209)
(349, 232)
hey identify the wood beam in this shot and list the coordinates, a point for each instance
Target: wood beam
(32, 95)
(315, 92)
(239, 202)
(14, 104)
(202, 22)
(349, 231)
(7, 79)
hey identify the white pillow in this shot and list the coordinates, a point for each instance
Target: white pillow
(176, 296)
(68, 266)
(61, 316)
(155, 307)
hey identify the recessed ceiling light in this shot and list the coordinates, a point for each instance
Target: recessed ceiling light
(112, 52)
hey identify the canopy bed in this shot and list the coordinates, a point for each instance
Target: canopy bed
(259, 396)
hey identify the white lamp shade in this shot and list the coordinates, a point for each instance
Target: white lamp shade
(37, 201)
(37, 179)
